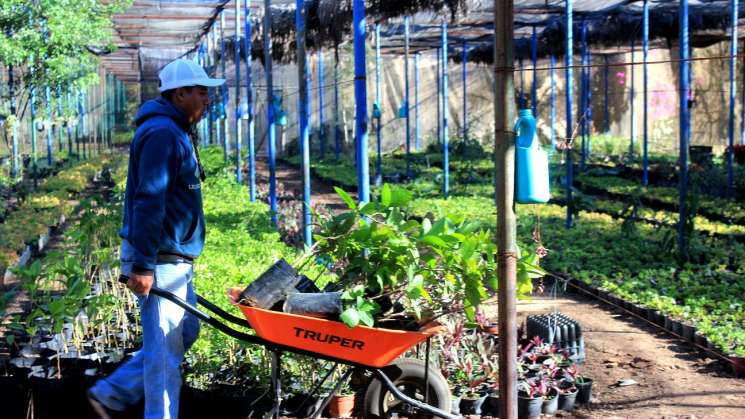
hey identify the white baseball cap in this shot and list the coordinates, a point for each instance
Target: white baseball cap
(182, 73)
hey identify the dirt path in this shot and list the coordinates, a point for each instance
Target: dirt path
(291, 179)
(674, 380)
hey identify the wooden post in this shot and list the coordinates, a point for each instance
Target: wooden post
(504, 150)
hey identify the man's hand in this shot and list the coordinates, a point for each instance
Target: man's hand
(140, 284)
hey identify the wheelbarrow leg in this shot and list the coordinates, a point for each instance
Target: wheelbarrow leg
(276, 383)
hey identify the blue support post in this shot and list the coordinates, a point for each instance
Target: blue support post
(465, 92)
(534, 57)
(48, 99)
(631, 104)
(406, 96)
(14, 166)
(303, 104)
(606, 127)
(214, 136)
(360, 95)
(32, 103)
(337, 128)
(59, 115)
(569, 127)
(237, 59)
(250, 103)
(271, 139)
(378, 100)
(684, 117)
(445, 151)
(552, 61)
(732, 87)
(321, 128)
(69, 126)
(225, 92)
(588, 106)
(416, 101)
(583, 97)
(439, 93)
(645, 46)
(202, 61)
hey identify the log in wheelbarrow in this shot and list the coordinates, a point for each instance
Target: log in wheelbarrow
(397, 387)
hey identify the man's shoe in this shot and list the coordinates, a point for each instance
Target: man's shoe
(99, 408)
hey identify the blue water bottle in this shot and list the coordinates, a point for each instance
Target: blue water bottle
(531, 177)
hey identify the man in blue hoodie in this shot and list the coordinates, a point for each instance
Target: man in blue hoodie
(162, 234)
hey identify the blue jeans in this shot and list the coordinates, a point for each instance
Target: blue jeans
(168, 331)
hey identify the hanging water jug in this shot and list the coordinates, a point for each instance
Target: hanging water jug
(376, 111)
(532, 181)
(402, 109)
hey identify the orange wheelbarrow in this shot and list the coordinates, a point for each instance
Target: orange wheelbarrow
(398, 387)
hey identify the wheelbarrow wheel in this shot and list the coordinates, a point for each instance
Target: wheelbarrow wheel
(408, 376)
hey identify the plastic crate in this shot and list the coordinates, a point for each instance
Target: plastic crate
(560, 330)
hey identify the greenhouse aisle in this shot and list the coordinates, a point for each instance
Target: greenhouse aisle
(672, 379)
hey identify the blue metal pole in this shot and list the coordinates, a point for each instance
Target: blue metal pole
(69, 125)
(250, 103)
(360, 93)
(416, 101)
(465, 92)
(303, 104)
(270, 111)
(605, 103)
(445, 151)
(202, 54)
(214, 125)
(48, 98)
(32, 102)
(225, 92)
(631, 104)
(684, 116)
(321, 128)
(588, 106)
(645, 46)
(14, 166)
(238, 159)
(337, 128)
(732, 87)
(378, 100)
(568, 73)
(439, 93)
(552, 60)
(406, 96)
(59, 115)
(534, 56)
(583, 96)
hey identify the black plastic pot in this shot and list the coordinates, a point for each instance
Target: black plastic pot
(491, 406)
(14, 395)
(471, 406)
(687, 331)
(550, 404)
(528, 408)
(667, 323)
(677, 327)
(584, 391)
(700, 340)
(567, 400)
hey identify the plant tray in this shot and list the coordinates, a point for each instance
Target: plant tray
(369, 346)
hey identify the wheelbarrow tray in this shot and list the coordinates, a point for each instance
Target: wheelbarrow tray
(369, 346)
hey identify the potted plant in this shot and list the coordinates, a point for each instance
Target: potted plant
(473, 393)
(491, 404)
(567, 395)
(583, 384)
(530, 397)
(342, 403)
(550, 400)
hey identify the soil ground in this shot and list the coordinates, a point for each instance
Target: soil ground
(673, 379)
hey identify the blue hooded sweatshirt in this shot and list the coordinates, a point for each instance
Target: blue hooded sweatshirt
(163, 199)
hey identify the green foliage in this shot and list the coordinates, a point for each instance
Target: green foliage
(431, 267)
